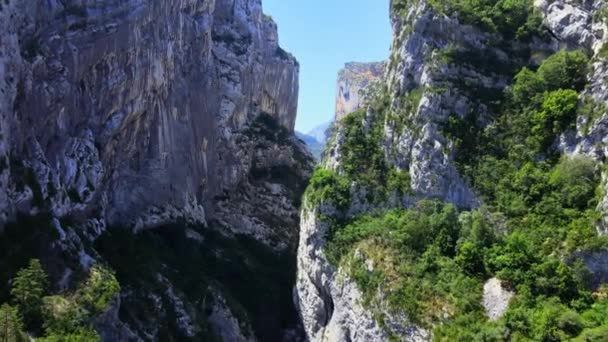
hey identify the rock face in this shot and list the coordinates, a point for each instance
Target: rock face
(329, 301)
(424, 93)
(597, 264)
(144, 114)
(130, 107)
(354, 78)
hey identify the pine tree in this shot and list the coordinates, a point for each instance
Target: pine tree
(29, 286)
(11, 327)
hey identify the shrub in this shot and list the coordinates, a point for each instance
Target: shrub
(326, 185)
(558, 112)
(575, 180)
(470, 258)
(527, 88)
(80, 335)
(399, 181)
(511, 18)
(362, 157)
(513, 260)
(62, 315)
(98, 290)
(564, 70)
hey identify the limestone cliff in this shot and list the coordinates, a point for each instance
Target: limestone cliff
(129, 107)
(352, 80)
(440, 71)
(174, 115)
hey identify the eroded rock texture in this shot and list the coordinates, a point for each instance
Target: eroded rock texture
(146, 114)
(127, 107)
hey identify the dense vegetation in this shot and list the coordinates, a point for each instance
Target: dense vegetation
(510, 18)
(64, 317)
(538, 218)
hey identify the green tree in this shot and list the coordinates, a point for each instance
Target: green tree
(326, 185)
(564, 70)
(445, 227)
(80, 335)
(11, 326)
(28, 288)
(575, 180)
(558, 112)
(527, 88)
(470, 258)
(513, 260)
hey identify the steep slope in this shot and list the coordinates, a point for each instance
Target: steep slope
(176, 116)
(352, 83)
(455, 165)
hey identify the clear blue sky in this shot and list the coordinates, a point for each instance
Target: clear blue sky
(323, 35)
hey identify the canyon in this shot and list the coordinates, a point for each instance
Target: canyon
(461, 190)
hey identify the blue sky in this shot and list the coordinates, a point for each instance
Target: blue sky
(323, 35)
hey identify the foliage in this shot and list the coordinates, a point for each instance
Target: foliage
(64, 317)
(99, 289)
(564, 70)
(67, 314)
(399, 181)
(421, 242)
(29, 286)
(363, 162)
(511, 18)
(326, 185)
(361, 153)
(11, 325)
(80, 335)
(431, 260)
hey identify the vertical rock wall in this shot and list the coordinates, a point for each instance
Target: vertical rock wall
(131, 107)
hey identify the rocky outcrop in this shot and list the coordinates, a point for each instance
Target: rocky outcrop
(330, 303)
(496, 298)
(352, 81)
(596, 262)
(144, 115)
(225, 325)
(572, 23)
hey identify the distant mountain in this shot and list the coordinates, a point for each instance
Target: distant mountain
(319, 132)
(314, 146)
(316, 139)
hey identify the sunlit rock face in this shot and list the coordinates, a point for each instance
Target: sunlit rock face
(424, 92)
(131, 107)
(352, 80)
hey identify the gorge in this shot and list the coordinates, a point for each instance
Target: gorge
(153, 188)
